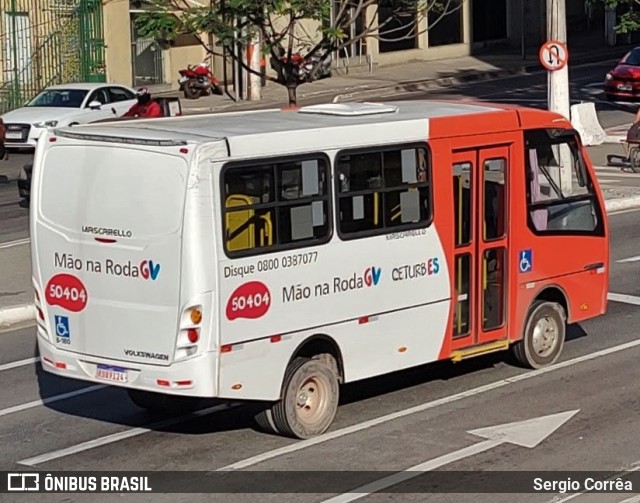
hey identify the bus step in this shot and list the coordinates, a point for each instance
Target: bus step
(483, 349)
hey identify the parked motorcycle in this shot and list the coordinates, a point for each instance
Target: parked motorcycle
(196, 81)
(324, 70)
(304, 66)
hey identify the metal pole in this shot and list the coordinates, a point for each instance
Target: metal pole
(558, 83)
(14, 41)
(523, 35)
(559, 79)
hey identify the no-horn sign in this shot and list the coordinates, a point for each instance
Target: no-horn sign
(553, 55)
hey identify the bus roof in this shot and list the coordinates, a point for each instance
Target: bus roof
(316, 127)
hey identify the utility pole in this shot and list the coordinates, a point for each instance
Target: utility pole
(558, 80)
(253, 56)
(558, 86)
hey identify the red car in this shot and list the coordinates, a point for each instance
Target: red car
(624, 80)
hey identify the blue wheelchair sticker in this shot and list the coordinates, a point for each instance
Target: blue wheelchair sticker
(62, 327)
(526, 260)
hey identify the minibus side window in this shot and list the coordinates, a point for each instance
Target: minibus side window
(382, 191)
(274, 205)
(561, 197)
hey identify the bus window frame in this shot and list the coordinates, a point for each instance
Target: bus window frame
(257, 162)
(562, 136)
(379, 149)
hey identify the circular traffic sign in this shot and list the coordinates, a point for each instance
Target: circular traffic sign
(553, 55)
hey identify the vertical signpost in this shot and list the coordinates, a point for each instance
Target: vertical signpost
(554, 56)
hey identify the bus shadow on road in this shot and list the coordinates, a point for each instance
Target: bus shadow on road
(111, 404)
(440, 371)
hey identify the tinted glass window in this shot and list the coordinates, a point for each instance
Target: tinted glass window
(560, 193)
(274, 205)
(383, 191)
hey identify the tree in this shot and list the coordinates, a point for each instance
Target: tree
(629, 21)
(280, 26)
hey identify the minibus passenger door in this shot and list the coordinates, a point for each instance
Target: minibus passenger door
(480, 241)
(492, 230)
(464, 197)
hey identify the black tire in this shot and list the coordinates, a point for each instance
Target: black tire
(217, 90)
(190, 92)
(545, 316)
(159, 403)
(264, 421)
(305, 377)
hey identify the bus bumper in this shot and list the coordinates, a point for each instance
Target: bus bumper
(194, 377)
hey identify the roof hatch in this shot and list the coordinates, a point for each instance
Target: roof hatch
(349, 109)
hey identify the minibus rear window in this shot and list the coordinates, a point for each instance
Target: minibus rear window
(123, 192)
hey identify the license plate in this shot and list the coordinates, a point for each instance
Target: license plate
(182, 79)
(14, 135)
(624, 87)
(110, 373)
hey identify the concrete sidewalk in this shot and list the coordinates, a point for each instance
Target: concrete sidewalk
(412, 76)
(618, 133)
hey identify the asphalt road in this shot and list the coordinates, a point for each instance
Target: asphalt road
(413, 416)
(14, 218)
(531, 90)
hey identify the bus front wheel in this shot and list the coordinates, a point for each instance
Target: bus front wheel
(544, 335)
(309, 402)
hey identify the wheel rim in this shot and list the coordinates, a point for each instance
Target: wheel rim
(545, 336)
(312, 400)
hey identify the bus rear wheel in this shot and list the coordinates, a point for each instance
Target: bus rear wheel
(159, 403)
(309, 402)
(544, 335)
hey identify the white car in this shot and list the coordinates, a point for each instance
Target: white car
(65, 105)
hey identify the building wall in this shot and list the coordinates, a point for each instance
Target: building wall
(424, 51)
(118, 48)
(117, 39)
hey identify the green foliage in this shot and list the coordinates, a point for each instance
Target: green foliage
(277, 24)
(629, 13)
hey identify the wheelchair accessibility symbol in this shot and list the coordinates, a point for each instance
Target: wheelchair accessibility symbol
(526, 261)
(62, 326)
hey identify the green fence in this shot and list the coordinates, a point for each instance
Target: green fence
(46, 42)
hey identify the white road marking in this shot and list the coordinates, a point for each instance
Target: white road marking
(20, 363)
(51, 399)
(615, 171)
(17, 242)
(622, 212)
(528, 433)
(630, 259)
(115, 437)
(634, 467)
(254, 460)
(624, 298)
(617, 174)
(633, 499)
(517, 100)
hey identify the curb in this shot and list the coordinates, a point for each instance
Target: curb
(426, 84)
(473, 76)
(21, 314)
(12, 316)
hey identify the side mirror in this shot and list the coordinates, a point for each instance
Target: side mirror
(95, 105)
